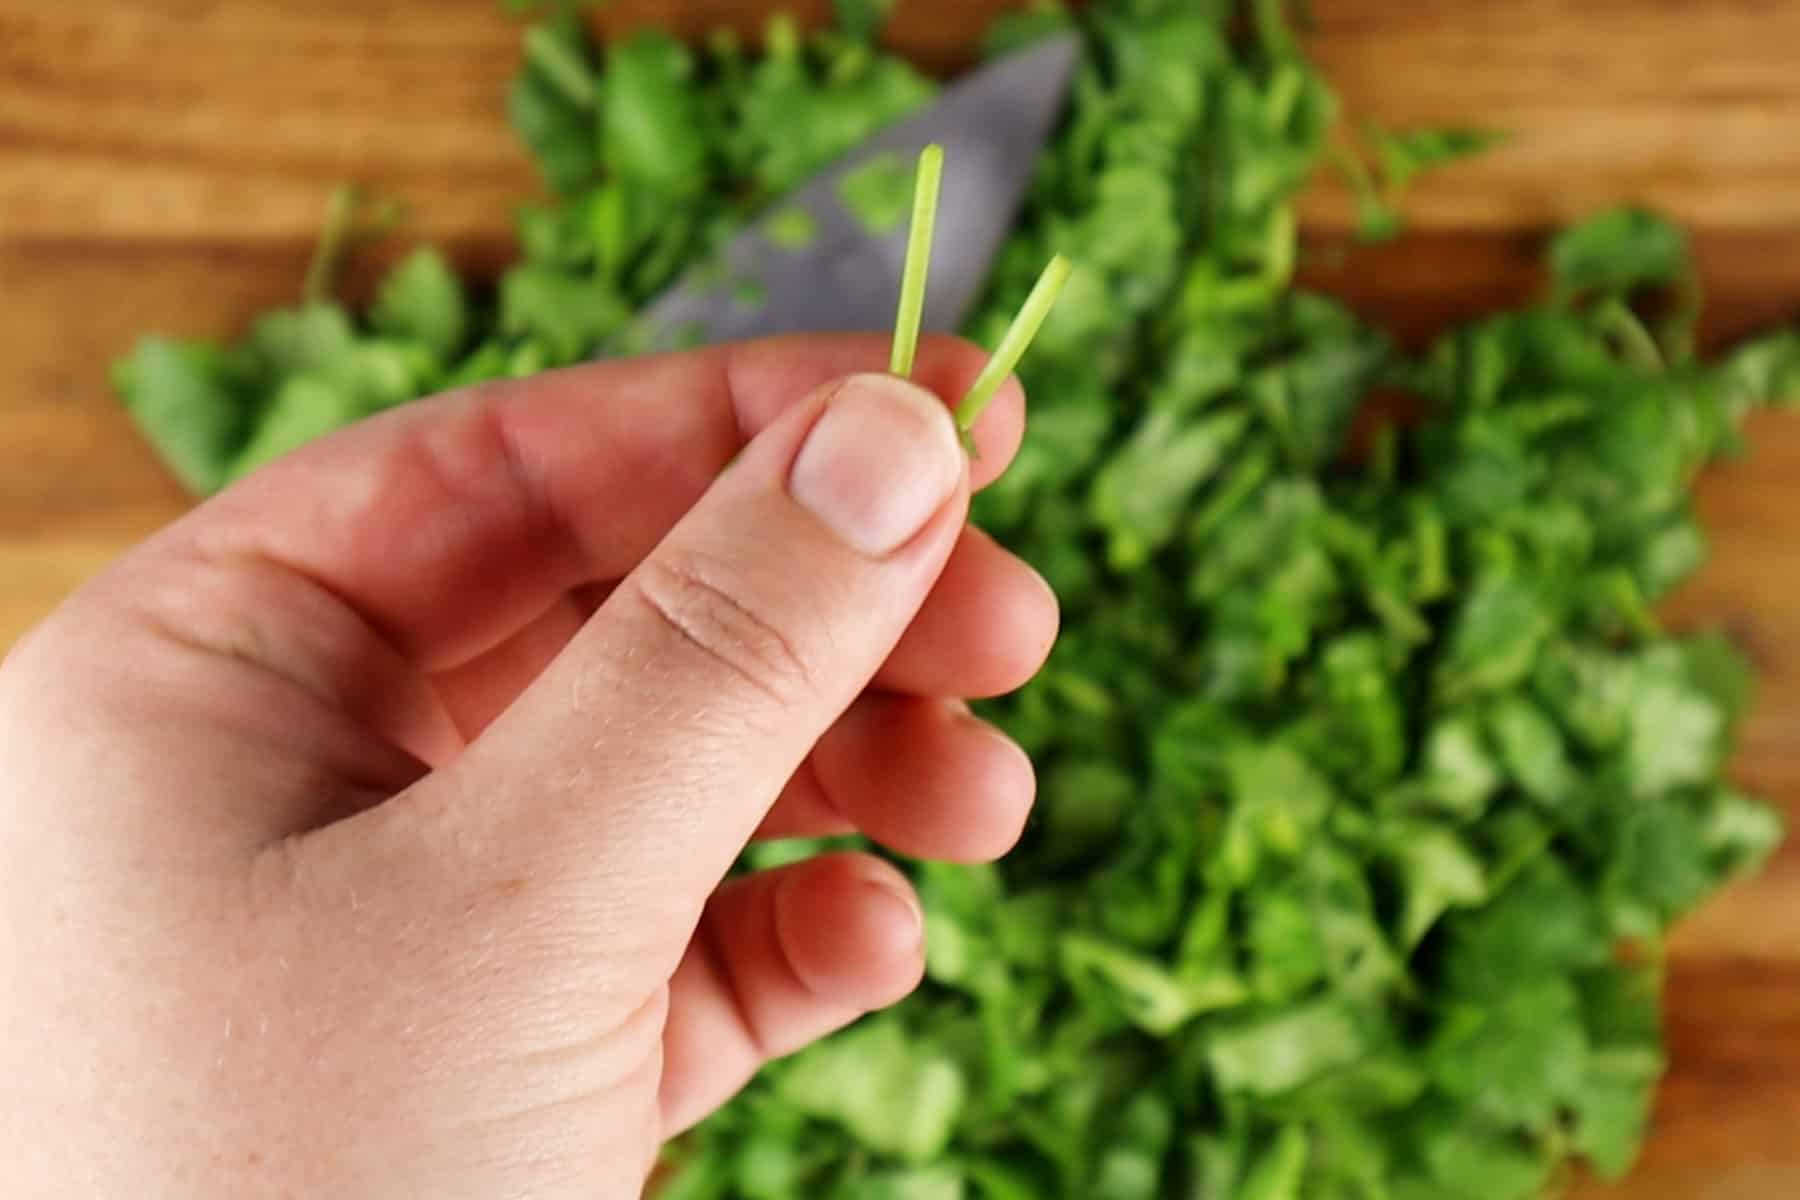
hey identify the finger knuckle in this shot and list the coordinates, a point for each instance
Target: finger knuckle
(703, 601)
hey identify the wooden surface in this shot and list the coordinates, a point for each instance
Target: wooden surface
(163, 164)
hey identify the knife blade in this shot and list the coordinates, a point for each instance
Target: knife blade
(991, 124)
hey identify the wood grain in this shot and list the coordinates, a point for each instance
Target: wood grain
(1689, 106)
(173, 120)
(163, 165)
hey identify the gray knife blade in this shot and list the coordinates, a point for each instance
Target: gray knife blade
(991, 124)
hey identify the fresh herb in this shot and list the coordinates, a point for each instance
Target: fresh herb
(918, 260)
(550, 104)
(1619, 252)
(1407, 154)
(423, 301)
(1355, 780)
(1014, 342)
(862, 19)
(350, 216)
(874, 192)
(1400, 157)
(559, 57)
(793, 229)
(180, 396)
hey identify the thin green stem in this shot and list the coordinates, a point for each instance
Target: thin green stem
(918, 260)
(350, 217)
(1013, 343)
(1635, 341)
(560, 66)
(321, 272)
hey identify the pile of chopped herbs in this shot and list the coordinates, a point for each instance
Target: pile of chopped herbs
(1369, 788)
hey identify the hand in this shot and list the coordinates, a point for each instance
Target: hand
(364, 832)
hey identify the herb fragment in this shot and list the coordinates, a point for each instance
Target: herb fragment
(918, 260)
(1014, 342)
(874, 192)
(793, 229)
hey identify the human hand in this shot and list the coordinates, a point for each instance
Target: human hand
(364, 830)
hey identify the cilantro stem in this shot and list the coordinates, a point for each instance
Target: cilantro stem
(918, 260)
(350, 216)
(560, 67)
(334, 238)
(1014, 342)
(1635, 342)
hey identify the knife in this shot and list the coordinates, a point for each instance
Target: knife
(991, 124)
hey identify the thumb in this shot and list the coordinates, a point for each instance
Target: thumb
(630, 775)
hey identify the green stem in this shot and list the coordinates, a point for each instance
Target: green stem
(918, 260)
(1634, 340)
(563, 69)
(1013, 343)
(321, 272)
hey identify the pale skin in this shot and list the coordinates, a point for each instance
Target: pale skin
(366, 831)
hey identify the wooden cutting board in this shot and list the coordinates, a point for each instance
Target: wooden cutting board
(163, 165)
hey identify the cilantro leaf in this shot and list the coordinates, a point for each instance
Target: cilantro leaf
(876, 192)
(1617, 252)
(181, 399)
(422, 300)
(651, 132)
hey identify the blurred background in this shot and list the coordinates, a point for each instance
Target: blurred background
(164, 165)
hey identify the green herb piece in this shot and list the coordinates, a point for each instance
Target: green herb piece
(340, 210)
(1400, 157)
(350, 216)
(566, 313)
(306, 407)
(551, 101)
(1270, 1055)
(652, 129)
(180, 397)
(1618, 251)
(918, 261)
(874, 192)
(313, 337)
(1406, 154)
(862, 19)
(422, 300)
(901, 1099)
(1013, 343)
(750, 293)
(550, 50)
(793, 229)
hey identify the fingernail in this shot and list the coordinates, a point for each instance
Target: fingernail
(878, 464)
(902, 905)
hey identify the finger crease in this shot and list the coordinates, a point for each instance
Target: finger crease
(736, 636)
(212, 642)
(528, 484)
(719, 963)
